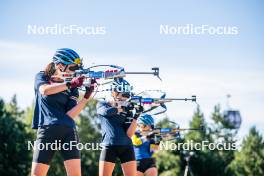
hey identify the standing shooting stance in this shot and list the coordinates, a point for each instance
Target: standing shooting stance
(117, 131)
(145, 146)
(55, 109)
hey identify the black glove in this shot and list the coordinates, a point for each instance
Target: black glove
(157, 140)
(136, 115)
(139, 109)
(93, 81)
(88, 92)
(151, 135)
(127, 108)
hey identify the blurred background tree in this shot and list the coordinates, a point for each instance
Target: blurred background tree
(15, 158)
(250, 159)
(202, 162)
(89, 132)
(168, 161)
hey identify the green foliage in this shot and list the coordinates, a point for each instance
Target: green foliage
(117, 170)
(168, 163)
(13, 109)
(196, 122)
(220, 129)
(15, 157)
(89, 132)
(250, 159)
(57, 166)
(211, 162)
(165, 123)
(201, 159)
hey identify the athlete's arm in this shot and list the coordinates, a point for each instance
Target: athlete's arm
(132, 128)
(49, 89)
(76, 110)
(104, 109)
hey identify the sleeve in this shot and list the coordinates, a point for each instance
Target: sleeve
(40, 79)
(136, 140)
(35, 119)
(152, 141)
(73, 99)
(104, 109)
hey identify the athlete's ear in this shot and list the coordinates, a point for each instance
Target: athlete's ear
(60, 67)
(114, 94)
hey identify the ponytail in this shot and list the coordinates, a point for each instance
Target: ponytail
(50, 70)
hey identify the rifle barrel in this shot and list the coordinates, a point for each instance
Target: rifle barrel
(141, 73)
(171, 99)
(170, 130)
(174, 99)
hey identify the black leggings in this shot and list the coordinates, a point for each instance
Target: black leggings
(56, 138)
(144, 164)
(124, 152)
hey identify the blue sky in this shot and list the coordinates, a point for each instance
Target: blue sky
(209, 66)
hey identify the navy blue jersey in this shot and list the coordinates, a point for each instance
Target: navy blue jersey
(52, 109)
(142, 146)
(113, 125)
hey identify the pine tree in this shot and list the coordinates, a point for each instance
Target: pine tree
(169, 164)
(15, 157)
(201, 161)
(206, 161)
(168, 161)
(250, 159)
(197, 121)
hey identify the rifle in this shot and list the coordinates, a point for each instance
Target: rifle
(136, 101)
(114, 72)
(168, 133)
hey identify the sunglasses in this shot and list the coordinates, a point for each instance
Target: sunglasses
(74, 68)
(141, 125)
(125, 95)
